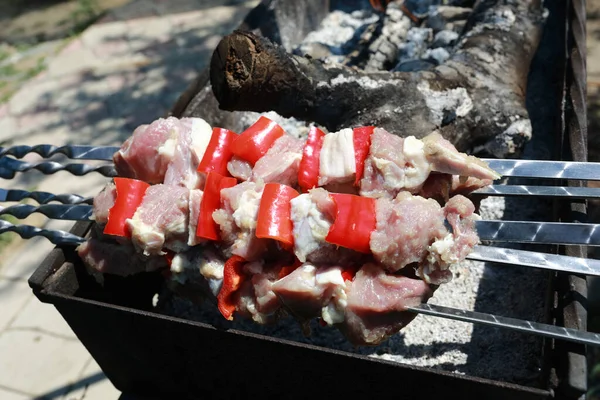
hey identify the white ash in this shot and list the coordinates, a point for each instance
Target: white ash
(445, 38)
(440, 103)
(417, 41)
(292, 126)
(439, 54)
(336, 31)
(364, 82)
(510, 140)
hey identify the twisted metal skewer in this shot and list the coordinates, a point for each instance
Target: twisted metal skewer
(77, 212)
(54, 236)
(79, 152)
(43, 197)
(9, 167)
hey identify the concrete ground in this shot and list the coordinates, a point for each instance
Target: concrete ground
(124, 70)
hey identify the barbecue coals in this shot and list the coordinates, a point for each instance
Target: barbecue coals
(354, 249)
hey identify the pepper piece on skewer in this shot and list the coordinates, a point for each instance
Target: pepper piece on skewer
(130, 193)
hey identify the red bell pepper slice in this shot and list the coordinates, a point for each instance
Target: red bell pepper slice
(211, 201)
(218, 152)
(233, 277)
(354, 222)
(255, 141)
(308, 171)
(274, 219)
(130, 193)
(361, 137)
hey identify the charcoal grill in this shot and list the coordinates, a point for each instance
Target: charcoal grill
(147, 354)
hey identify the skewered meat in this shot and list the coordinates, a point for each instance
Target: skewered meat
(104, 202)
(420, 227)
(237, 220)
(165, 151)
(377, 304)
(162, 220)
(117, 258)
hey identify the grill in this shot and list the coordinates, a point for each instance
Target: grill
(151, 354)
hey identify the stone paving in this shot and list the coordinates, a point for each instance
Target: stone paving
(125, 70)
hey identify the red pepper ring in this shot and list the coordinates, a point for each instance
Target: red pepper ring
(233, 277)
(130, 193)
(361, 138)
(354, 222)
(255, 141)
(308, 171)
(218, 152)
(211, 201)
(274, 214)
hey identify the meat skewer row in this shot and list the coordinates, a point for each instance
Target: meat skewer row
(260, 221)
(366, 303)
(368, 161)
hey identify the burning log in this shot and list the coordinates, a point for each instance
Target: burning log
(476, 98)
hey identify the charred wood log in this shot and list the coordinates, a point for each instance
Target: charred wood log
(476, 98)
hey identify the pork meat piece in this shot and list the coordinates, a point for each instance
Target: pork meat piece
(256, 299)
(165, 151)
(117, 259)
(194, 210)
(146, 154)
(311, 292)
(406, 227)
(312, 214)
(280, 164)
(444, 157)
(237, 220)
(465, 185)
(455, 246)
(161, 220)
(186, 152)
(377, 302)
(393, 164)
(103, 202)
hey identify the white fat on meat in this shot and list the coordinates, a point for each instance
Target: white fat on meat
(246, 214)
(186, 148)
(337, 160)
(417, 167)
(310, 226)
(194, 207)
(201, 134)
